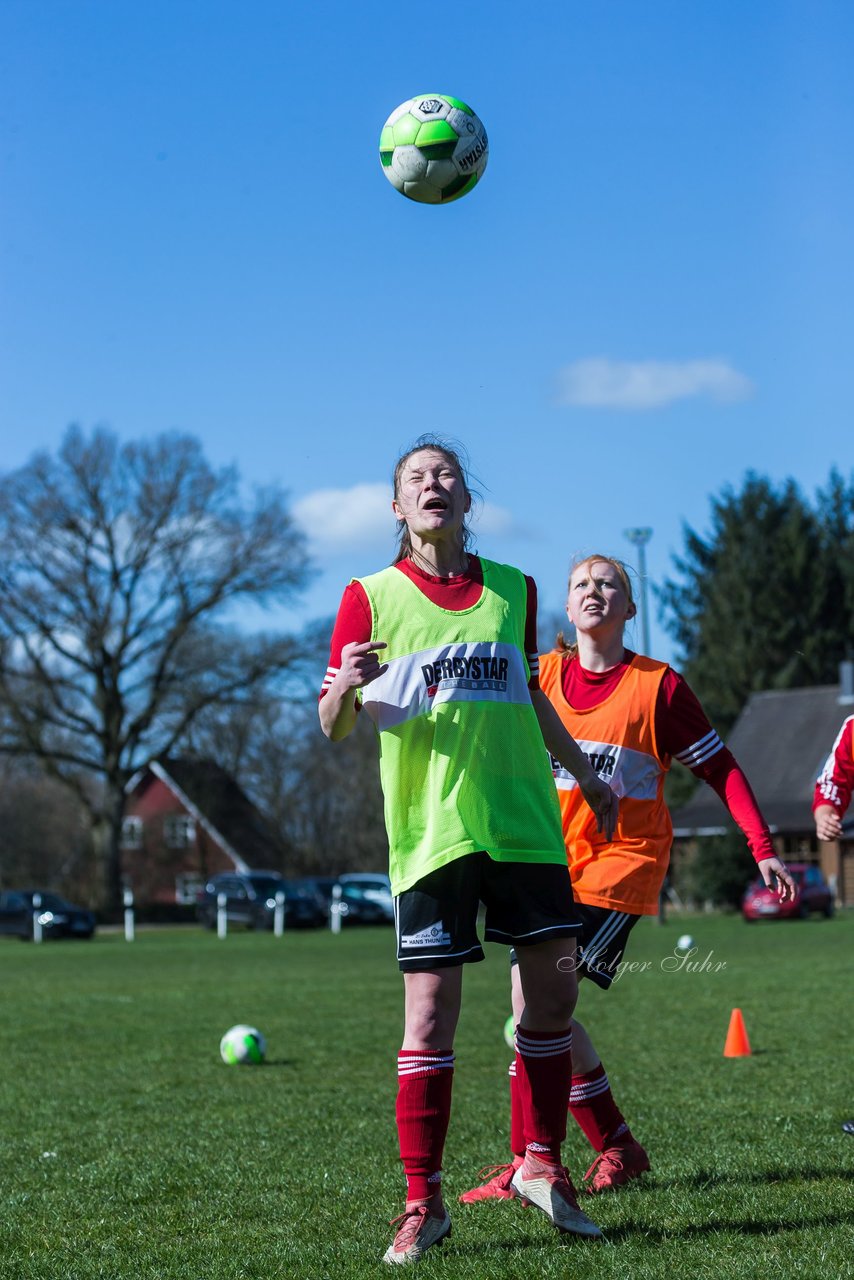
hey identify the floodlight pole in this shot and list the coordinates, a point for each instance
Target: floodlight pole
(639, 538)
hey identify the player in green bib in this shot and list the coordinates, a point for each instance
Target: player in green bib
(440, 650)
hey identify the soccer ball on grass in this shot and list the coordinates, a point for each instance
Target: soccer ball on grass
(433, 148)
(242, 1045)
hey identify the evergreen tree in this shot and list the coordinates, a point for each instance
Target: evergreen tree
(764, 601)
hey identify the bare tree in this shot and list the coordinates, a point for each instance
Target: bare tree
(326, 807)
(122, 567)
(44, 836)
(336, 810)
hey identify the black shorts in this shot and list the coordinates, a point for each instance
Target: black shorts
(526, 902)
(604, 934)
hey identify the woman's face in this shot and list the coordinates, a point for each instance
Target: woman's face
(431, 496)
(597, 597)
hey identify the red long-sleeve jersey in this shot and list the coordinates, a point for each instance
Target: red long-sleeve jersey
(836, 780)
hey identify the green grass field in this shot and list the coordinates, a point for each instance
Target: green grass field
(130, 1150)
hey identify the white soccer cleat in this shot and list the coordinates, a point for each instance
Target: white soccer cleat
(550, 1188)
(419, 1230)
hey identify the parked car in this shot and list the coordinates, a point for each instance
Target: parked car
(58, 918)
(360, 906)
(321, 887)
(303, 907)
(250, 900)
(812, 894)
(357, 905)
(375, 886)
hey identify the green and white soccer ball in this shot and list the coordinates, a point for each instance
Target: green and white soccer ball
(242, 1045)
(433, 148)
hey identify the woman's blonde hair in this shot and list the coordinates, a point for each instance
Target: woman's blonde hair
(622, 571)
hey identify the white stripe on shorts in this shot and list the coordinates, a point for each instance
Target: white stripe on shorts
(609, 928)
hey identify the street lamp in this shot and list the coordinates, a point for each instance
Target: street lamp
(639, 538)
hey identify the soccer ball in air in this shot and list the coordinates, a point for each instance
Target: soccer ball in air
(433, 148)
(685, 943)
(242, 1044)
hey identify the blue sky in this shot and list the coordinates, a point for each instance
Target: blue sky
(649, 294)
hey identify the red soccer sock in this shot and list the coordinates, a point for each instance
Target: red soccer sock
(423, 1109)
(595, 1111)
(543, 1073)
(517, 1118)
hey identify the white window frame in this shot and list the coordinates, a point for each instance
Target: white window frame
(179, 830)
(188, 886)
(132, 828)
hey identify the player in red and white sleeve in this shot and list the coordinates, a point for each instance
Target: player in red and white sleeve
(439, 650)
(835, 784)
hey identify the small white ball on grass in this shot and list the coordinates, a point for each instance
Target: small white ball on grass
(685, 943)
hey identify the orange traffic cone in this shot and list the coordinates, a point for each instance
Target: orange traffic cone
(737, 1044)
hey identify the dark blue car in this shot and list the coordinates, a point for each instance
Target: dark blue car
(58, 918)
(250, 900)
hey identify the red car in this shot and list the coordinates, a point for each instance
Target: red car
(812, 894)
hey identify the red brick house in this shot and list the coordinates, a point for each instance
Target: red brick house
(186, 820)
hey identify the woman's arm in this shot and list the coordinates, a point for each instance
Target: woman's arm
(834, 786)
(564, 748)
(352, 663)
(359, 666)
(683, 730)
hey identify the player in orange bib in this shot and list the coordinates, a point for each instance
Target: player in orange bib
(632, 716)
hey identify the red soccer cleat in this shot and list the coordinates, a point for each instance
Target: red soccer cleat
(617, 1165)
(498, 1185)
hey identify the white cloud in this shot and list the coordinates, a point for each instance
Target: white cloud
(338, 519)
(648, 384)
(493, 521)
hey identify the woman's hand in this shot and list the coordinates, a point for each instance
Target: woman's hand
(828, 824)
(604, 802)
(771, 868)
(360, 664)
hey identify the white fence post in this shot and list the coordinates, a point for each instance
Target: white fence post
(221, 916)
(130, 932)
(279, 914)
(335, 909)
(37, 924)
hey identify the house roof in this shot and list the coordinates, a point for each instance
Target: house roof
(781, 740)
(222, 807)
